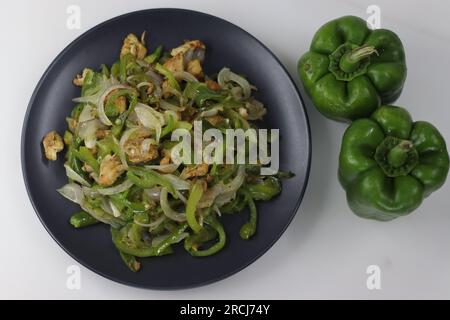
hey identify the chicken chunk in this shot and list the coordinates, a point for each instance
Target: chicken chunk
(110, 169)
(79, 78)
(213, 85)
(176, 63)
(199, 170)
(53, 143)
(194, 44)
(195, 68)
(131, 44)
(138, 148)
(214, 120)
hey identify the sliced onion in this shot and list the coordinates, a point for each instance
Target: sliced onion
(101, 103)
(186, 76)
(155, 77)
(71, 174)
(155, 224)
(168, 106)
(225, 75)
(153, 193)
(164, 168)
(144, 84)
(168, 211)
(211, 112)
(115, 211)
(73, 192)
(88, 113)
(127, 184)
(105, 205)
(180, 196)
(177, 182)
(150, 118)
(230, 189)
(255, 110)
(89, 192)
(87, 131)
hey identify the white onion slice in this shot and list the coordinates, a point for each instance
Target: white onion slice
(168, 211)
(88, 113)
(225, 75)
(153, 193)
(168, 106)
(71, 174)
(127, 184)
(186, 76)
(73, 192)
(230, 189)
(101, 103)
(150, 118)
(164, 168)
(177, 183)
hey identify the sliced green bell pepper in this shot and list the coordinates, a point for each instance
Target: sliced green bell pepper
(389, 164)
(351, 70)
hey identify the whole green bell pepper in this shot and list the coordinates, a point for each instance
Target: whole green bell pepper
(389, 164)
(351, 70)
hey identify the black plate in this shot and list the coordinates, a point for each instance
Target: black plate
(227, 45)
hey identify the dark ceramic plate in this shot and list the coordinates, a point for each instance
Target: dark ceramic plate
(227, 45)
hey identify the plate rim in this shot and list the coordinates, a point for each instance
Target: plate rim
(86, 264)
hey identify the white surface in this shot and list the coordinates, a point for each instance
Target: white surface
(326, 250)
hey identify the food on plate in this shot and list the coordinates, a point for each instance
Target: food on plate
(119, 159)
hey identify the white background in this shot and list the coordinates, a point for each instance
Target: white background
(326, 250)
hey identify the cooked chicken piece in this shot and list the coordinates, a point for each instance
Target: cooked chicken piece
(110, 169)
(150, 88)
(131, 44)
(214, 120)
(72, 124)
(195, 68)
(53, 143)
(243, 112)
(176, 63)
(198, 170)
(87, 168)
(102, 133)
(194, 44)
(166, 159)
(138, 150)
(166, 89)
(213, 85)
(79, 78)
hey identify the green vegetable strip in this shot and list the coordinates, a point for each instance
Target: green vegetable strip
(191, 206)
(85, 155)
(169, 127)
(147, 178)
(170, 77)
(130, 261)
(82, 219)
(216, 225)
(154, 56)
(249, 228)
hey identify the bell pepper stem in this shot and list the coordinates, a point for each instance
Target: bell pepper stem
(350, 60)
(398, 155)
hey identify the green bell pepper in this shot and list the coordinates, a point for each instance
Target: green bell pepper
(351, 70)
(389, 164)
